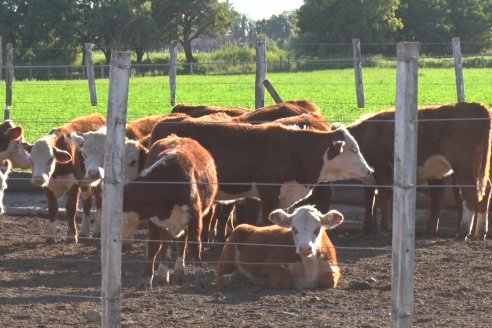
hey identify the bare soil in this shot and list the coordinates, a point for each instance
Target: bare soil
(58, 285)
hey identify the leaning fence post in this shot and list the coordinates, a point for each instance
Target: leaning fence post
(404, 184)
(272, 91)
(173, 65)
(458, 69)
(9, 79)
(113, 189)
(261, 69)
(89, 63)
(359, 86)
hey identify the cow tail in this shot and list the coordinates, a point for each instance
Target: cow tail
(484, 172)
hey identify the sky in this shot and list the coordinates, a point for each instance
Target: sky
(259, 9)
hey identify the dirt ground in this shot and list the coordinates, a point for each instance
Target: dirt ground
(58, 285)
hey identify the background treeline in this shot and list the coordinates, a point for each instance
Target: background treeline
(50, 32)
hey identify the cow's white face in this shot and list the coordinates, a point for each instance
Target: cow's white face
(306, 223)
(133, 151)
(16, 148)
(93, 147)
(44, 158)
(343, 160)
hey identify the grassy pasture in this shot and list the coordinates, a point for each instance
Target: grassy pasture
(41, 105)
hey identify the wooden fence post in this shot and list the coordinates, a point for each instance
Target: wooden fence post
(407, 54)
(113, 189)
(458, 69)
(89, 63)
(271, 90)
(261, 69)
(173, 66)
(9, 79)
(359, 86)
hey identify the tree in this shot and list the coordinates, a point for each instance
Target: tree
(278, 28)
(339, 21)
(186, 20)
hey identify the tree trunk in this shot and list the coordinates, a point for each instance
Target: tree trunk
(188, 52)
(107, 55)
(140, 53)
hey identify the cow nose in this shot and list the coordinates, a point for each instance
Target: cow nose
(304, 250)
(94, 174)
(37, 180)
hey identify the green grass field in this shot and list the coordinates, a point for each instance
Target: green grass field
(40, 106)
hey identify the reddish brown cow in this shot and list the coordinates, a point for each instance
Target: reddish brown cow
(174, 191)
(282, 164)
(142, 127)
(263, 255)
(451, 138)
(58, 167)
(198, 111)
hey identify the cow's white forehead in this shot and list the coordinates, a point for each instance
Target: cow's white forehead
(94, 143)
(306, 216)
(132, 150)
(42, 149)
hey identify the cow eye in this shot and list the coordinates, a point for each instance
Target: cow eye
(294, 230)
(316, 232)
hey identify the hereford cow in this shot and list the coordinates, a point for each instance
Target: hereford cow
(174, 191)
(58, 167)
(198, 111)
(13, 147)
(263, 255)
(451, 138)
(275, 163)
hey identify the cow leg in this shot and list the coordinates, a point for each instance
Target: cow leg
(370, 225)
(482, 213)
(458, 201)
(210, 222)
(436, 193)
(71, 208)
(53, 215)
(279, 277)
(194, 232)
(97, 192)
(154, 245)
(224, 214)
(179, 264)
(162, 275)
(269, 202)
(85, 227)
(470, 204)
(385, 199)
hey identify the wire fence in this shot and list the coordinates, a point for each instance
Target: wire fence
(356, 260)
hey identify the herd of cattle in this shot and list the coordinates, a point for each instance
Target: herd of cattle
(210, 172)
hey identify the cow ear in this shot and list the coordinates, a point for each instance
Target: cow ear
(62, 156)
(331, 219)
(76, 139)
(15, 133)
(335, 149)
(280, 218)
(142, 157)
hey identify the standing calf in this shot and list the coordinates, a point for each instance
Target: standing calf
(310, 262)
(174, 191)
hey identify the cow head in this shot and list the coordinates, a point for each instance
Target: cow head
(44, 157)
(13, 146)
(343, 159)
(93, 147)
(306, 224)
(135, 155)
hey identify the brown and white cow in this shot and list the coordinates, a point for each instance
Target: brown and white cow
(296, 252)
(58, 167)
(174, 191)
(5, 168)
(453, 138)
(202, 110)
(13, 147)
(275, 163)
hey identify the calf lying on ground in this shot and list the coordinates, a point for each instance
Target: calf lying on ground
(174, 191)
(295, 253)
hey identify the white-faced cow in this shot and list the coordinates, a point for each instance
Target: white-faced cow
(58, 167)
(296, 252)
(275, 163)
(174, 191)
(13, 146)
(454, 138)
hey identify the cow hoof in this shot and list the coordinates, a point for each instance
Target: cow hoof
(71, 240)
(462, 237)
(50, 240)
(178, 277)
(200, 277)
